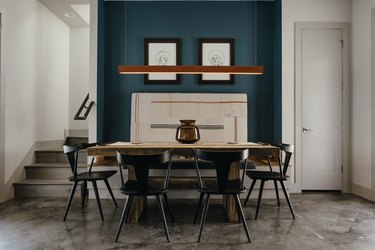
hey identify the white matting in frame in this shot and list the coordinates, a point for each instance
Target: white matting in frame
(162, 52)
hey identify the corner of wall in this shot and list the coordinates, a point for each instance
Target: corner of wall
(93, 65)
(17, 175)
(2, 112)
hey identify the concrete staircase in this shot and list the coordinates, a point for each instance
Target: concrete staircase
(48, 176)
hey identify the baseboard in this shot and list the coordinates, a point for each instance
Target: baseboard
(363, 192)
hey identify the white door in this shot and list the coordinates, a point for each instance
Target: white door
(321, 107)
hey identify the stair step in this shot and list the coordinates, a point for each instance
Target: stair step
(48, 177)
(70, 140)
(44, 182)
(54, 165)
(50, 170)
(42, 188)
(56, 155)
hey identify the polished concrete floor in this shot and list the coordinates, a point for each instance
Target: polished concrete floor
(323, 221)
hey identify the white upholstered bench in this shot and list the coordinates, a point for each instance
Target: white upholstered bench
(219, 117)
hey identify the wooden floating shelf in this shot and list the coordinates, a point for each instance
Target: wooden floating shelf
(182, 69)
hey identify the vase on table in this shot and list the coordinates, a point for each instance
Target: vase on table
(187, 132)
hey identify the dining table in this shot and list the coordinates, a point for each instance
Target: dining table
(105, 155)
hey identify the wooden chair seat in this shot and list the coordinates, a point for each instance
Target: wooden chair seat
(212, 187)
(266, 175)
(87, 176)
(134, 188)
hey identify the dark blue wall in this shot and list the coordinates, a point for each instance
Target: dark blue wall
(277, 71)
(124, 25)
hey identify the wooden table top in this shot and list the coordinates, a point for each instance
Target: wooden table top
(254, 148)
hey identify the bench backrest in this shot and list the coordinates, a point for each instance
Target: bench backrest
(219, 117)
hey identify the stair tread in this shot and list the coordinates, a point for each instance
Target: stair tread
(43, 182)
(54, 150)
(46, 177)
(54, 165)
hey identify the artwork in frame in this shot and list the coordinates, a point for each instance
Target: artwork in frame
(216, 52)
(162, 52)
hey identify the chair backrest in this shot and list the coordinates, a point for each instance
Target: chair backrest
(142, 163)
(223, 161)
(72, 152)
(288, 150)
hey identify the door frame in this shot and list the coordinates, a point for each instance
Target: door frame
(2, 108)
(365, 192)
(346, 112)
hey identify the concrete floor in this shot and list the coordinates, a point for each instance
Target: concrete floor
(323, 221)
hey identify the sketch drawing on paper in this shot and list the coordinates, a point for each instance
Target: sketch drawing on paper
(161, 57)
(216, 58)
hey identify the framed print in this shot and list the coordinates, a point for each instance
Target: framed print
(162, 51)
(216, 52)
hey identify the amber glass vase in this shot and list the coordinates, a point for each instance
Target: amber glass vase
(187, 132)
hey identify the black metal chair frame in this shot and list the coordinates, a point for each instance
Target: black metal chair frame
(222, 161)
(72, 152)
(142, 186)
(280, 176)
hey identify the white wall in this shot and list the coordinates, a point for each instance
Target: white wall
(363, 99)
(79, 73)
(92, 119)
(302, 11)
(36, 81)
(2, 101)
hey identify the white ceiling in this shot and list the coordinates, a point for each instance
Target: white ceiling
(80, 8)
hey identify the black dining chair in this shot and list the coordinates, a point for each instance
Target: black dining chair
(72, 151)
(274, 176)
(142, 185)
(221, 185)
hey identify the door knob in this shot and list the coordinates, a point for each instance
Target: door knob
(305, 130)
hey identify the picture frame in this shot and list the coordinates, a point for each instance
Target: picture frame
(162, 51)
(216, 52)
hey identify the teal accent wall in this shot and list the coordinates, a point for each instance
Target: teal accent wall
(100, 71)
(124, 25)
(277, 101)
